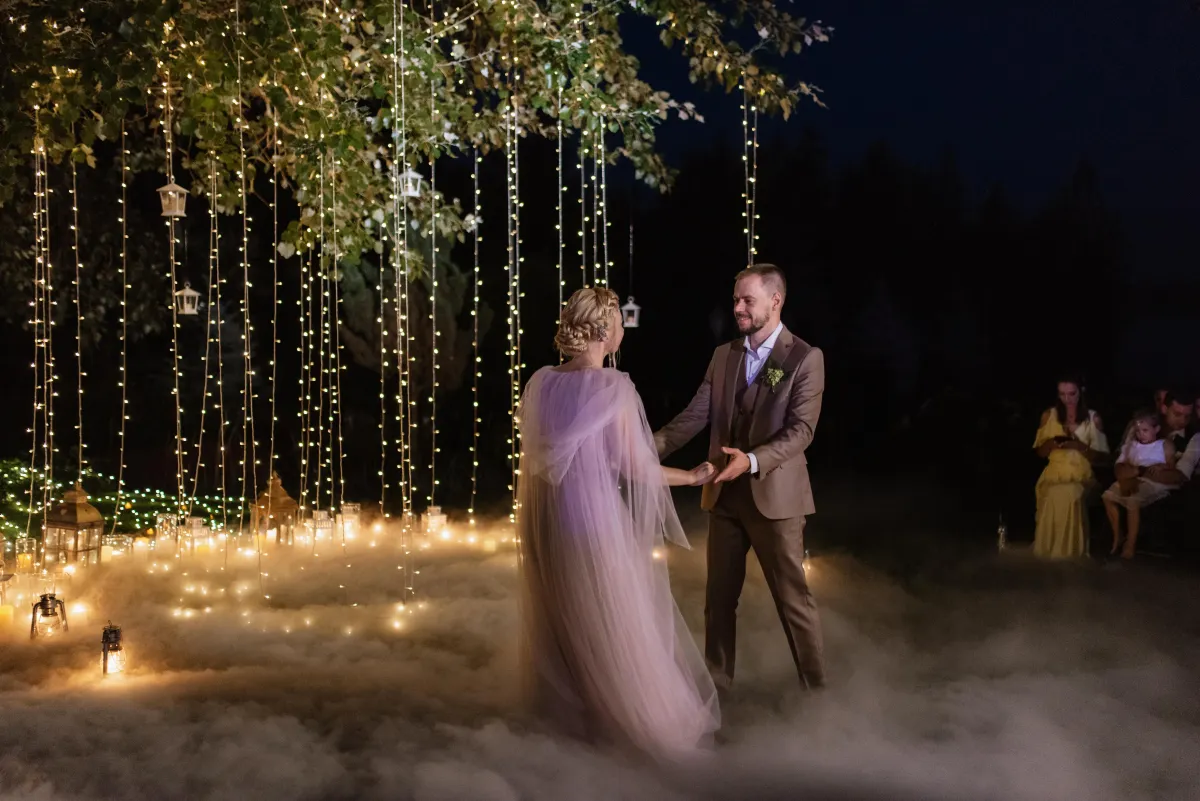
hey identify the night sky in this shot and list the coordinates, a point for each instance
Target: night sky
(1019, 92)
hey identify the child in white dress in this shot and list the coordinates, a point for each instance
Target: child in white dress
(1144, 449)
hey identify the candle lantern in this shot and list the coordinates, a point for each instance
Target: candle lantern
(274, 513)
(348, 519)
(49, 617)
(187, 300)
(631, 313)
(112, 654)
(411, 182)
(115, 545)
(435, 520)
(174, 200)
(73, 530)
(166, 527)
(322, 525)
(194, 537)
(26, 550)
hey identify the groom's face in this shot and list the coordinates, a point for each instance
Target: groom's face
(753, 305)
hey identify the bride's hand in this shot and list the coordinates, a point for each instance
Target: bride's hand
(703, 474)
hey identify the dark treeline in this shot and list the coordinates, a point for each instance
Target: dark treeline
(945, 321)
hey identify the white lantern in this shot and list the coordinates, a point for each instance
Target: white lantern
(435, 521)
(187, 300)
(322, 525)
(174, 200)
(411, 182)
(631, 314)
(348, 519)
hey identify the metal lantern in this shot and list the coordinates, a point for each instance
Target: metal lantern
(187, 300)
(112, 655)
(26, 553)
(174, 200)
(274, 513)
(411, 182)
(49, 617)
(73, 530)
(631, 313)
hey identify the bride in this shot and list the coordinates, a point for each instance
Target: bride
(608, 656)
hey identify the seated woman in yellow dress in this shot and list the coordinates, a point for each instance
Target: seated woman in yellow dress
(1071, 438)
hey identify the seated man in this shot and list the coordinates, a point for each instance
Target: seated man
(1165, 523)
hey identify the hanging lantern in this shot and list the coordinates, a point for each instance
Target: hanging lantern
(187, 300)
(174, 200)
(49, 617)
(273, 515)
(411, 183)
(73, 530)
(112, 655)
(631, 314)
(26, 550)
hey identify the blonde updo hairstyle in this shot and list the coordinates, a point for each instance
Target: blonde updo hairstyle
(586, 318)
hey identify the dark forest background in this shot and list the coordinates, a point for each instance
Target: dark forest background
(945, 318)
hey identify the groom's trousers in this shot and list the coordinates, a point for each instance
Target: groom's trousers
(735, 526)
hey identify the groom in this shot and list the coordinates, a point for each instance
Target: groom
(761, 398)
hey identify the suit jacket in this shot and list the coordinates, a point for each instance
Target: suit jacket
(783, 424)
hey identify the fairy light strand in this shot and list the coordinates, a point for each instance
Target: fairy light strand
(40, 327)
(606, 221)
(122, 375)
(476, 361)
(78, 287)
(249, 489)
(208, 338)
(583, 217)
(179, 455)
(559, 197)
(597, 261)
(433, 291)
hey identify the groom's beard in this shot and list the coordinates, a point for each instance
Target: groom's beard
(748, 325)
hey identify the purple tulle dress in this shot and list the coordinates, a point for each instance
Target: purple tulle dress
(608, 656)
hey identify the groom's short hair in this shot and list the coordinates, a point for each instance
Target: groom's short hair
(772, 277)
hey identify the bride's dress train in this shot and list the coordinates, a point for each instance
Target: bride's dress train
(608, 655)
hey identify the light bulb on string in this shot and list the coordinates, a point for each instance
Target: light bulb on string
(122, 378)
(559, 196)
(476, 361)
(78, 287)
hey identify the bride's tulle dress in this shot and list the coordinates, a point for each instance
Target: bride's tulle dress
(608, 655)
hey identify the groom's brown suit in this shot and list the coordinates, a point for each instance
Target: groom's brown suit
(764, 511)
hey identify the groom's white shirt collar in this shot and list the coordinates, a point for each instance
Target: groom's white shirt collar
(767, 346)
(755, 359)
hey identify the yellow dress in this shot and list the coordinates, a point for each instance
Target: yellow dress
(1062, 530)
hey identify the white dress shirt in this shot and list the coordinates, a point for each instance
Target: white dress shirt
(755, 359)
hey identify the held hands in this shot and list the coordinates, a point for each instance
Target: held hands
(738, 464)
(1073, 445)
(702, 474)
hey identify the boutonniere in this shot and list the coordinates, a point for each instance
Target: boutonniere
(773, 374)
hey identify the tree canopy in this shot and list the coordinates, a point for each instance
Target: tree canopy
(338, 97)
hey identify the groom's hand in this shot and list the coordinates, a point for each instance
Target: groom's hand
(738, 464)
